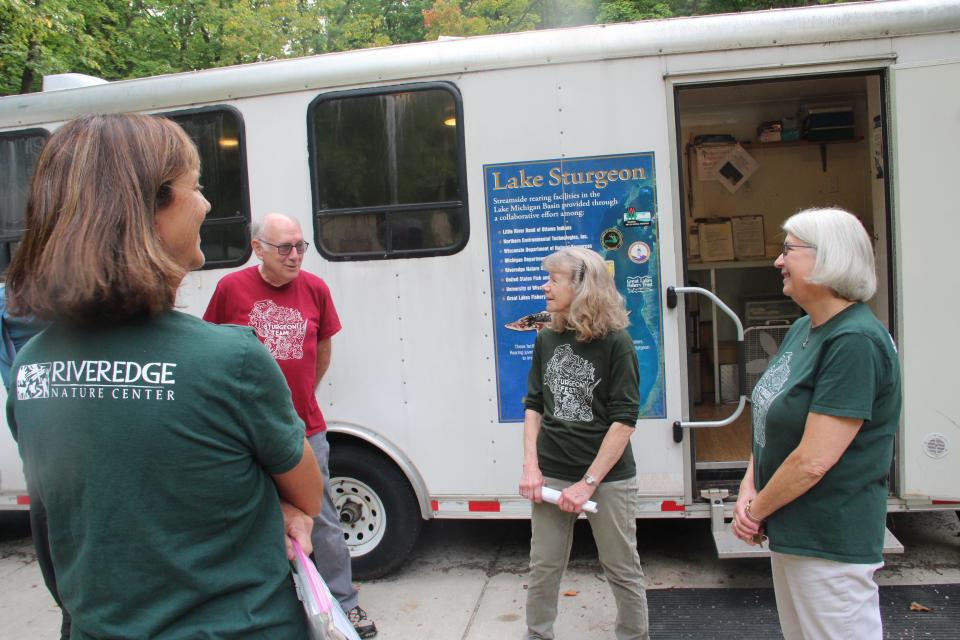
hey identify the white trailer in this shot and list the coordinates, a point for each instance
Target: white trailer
(431, 179)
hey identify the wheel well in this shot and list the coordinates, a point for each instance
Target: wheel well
(410, 473)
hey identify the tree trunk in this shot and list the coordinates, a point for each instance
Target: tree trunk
(26, 79)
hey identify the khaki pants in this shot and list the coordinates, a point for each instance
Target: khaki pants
(615, 532)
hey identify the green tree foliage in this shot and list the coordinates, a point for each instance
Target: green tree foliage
(403, 20)
(629, 10)
(566, 13)
(695, 7)
(39, 37)
(479, 17)
(118, 39)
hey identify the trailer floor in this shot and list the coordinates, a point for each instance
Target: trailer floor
(751, 614)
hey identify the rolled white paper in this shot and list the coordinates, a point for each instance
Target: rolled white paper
(552, 495)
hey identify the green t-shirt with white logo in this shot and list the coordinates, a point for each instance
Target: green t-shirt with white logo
(580, 389)
(151, 444)
(847, 367)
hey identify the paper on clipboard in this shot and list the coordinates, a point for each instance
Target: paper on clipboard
(325, 618)
(748, 239)
(716, 240)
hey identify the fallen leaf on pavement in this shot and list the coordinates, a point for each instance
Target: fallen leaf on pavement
(916, 606)
(570, 593)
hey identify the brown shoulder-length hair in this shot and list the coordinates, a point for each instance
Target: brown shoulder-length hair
(90, 250)
(597, 307)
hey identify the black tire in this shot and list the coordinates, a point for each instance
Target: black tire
(379, 536)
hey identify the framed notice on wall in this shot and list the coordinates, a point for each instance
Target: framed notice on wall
(716, 241)
(748, 237)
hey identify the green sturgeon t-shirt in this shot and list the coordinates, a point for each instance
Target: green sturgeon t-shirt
(580, 389)
(847, 367)
(151, 444)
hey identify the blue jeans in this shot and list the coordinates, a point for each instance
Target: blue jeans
(329, 548)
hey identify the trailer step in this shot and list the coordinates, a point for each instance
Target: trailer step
(890, 542)
(730, 546)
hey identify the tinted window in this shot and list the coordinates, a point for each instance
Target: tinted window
(19, 152)
(218, 134)
(388, 172)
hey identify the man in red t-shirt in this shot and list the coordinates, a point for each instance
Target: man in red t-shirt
(293, 315)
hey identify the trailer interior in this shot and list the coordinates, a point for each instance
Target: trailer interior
(813, 140)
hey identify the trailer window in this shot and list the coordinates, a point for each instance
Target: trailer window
(19, 151)
(388, 172)
(219, 136)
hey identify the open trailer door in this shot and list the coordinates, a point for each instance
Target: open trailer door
(926, 114)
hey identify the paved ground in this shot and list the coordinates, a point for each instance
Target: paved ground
(466, 580)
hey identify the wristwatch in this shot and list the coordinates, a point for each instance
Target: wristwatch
(590, 480)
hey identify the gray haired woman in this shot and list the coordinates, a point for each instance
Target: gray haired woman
(825, 413)
(582, 405)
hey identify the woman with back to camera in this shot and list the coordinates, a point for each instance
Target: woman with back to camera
(158, 443)
(825, 414)
(583, 399)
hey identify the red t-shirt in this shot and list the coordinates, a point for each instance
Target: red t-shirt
(289, 320)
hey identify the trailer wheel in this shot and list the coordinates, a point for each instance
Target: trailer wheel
(378, 510)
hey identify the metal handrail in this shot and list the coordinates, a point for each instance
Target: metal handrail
(679, 425)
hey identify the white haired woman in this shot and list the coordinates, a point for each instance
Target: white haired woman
(581, 409)
(824, 417)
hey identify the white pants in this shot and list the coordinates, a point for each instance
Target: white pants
(821, 599)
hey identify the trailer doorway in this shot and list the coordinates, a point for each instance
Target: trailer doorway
(793, 143)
